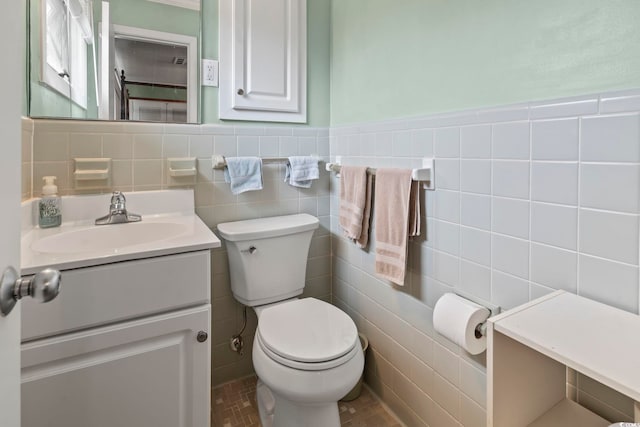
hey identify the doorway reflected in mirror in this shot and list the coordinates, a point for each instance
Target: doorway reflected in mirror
(150, 81)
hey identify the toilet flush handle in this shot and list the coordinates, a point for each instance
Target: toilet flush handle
(251, 249)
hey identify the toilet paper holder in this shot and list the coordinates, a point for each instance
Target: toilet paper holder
(462, 319)
(481, 328)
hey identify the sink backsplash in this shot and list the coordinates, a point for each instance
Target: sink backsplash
(86, 208)
(139, 152)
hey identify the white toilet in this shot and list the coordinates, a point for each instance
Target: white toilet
(306, 352)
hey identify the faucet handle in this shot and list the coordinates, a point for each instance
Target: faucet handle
(118, 201)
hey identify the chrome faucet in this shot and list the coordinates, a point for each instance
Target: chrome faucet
(118, 211)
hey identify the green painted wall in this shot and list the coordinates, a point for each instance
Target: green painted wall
(318, 45)
(318, 61)
(401, 58)
(153, 16)
(209, 49)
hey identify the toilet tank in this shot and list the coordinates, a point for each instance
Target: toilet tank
(268, 256)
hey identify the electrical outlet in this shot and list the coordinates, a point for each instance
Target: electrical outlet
(209, 72)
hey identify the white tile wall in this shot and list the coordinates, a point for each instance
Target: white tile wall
(554, 225)
(555, 182)
(511, 178)
(511, 217)
(610, 138)
(609, 235)
(510, 255)
(554, 267)
(554, 139)
(510, 141)
(476, 245)
(475, 142)
(529, 198)
(447, 142)
(597, 180)
(475, 176)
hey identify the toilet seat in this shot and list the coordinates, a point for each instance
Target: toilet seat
(307, 366)
(307, 334)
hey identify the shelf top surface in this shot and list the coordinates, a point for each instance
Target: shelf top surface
(598, 340)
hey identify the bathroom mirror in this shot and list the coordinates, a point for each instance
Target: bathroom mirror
(114, 59)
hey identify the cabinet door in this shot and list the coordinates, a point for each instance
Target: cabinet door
(151, 372)
(263, 60)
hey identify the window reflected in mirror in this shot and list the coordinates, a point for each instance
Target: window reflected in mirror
(63, 68)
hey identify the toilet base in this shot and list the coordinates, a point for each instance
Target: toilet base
(302, 398)
(266, 404)
(277, 411)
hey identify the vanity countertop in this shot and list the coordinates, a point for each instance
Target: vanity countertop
(169, 226)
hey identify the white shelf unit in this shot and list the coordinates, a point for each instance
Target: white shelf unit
(531, 347)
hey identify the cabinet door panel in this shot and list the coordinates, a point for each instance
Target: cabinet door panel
(150, 372)
(267, 51)
(263, 60)
(116, 292)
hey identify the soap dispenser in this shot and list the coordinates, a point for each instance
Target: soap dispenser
(49, 206)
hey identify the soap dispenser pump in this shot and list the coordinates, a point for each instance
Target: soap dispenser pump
(49, 205)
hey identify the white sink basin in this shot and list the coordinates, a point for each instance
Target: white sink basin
(169, 226)
(113, 237)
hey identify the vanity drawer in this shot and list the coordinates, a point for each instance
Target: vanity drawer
(114, 292)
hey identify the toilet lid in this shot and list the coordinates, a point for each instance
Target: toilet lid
(307, 330)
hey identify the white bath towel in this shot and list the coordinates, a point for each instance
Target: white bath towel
(301, 170)
(397, 217)
(243, 173)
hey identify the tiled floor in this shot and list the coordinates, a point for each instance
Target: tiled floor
(234, 405)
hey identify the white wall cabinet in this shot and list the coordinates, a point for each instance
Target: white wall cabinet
(263, 60)
(120, 347)
(531, 347)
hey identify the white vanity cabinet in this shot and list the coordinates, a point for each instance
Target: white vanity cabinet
(530, 348)
(263, 60)
(124, 344)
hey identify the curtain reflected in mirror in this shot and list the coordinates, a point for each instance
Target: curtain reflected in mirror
(114, 60)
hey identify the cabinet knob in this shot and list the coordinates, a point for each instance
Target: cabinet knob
(240, 92)
(202, 336)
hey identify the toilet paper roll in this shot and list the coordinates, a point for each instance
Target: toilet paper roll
(456, 318)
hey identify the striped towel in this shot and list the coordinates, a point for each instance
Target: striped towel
(397, 214)
(301, 170)
(355, 203)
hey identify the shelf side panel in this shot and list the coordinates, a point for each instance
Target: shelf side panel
(523, 383)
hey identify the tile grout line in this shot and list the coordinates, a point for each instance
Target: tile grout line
(579, 206)
(530, 237)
